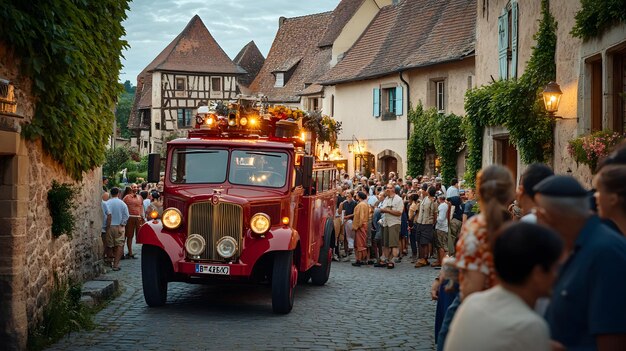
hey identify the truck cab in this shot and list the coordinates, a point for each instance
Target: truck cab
(242, 202)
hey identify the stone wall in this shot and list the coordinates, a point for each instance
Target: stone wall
(30, 257)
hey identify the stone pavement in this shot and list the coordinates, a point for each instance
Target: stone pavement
(360, 308)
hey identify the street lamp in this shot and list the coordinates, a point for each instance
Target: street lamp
(552, 97)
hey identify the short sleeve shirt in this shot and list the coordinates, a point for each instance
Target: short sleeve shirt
(588, 297)
(473, 251)
(396, 204)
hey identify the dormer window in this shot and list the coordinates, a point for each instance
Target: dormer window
(280, 80)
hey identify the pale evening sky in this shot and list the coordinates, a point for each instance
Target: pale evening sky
(151, 25)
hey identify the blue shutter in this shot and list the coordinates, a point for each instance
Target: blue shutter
(398, 100)
(514, 38)
(376, 111)
(503, 43)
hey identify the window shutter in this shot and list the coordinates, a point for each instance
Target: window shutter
(398, 101)
(503, 43)
(376, 111)
(514, 38)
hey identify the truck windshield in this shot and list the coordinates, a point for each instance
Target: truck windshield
(258, 168)
(198, 166)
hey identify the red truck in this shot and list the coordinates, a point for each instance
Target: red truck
(242, 202)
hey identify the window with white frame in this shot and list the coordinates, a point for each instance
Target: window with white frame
(440, 96)
(280, 80)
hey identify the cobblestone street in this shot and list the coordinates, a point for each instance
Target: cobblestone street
(359, 308)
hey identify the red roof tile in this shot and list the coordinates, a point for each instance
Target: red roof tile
(413, 33)
(194, 50)
(295, 51)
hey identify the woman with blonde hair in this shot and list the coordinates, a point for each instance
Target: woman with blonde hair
(474, 256)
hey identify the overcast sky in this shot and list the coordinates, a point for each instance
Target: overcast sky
(152, 24)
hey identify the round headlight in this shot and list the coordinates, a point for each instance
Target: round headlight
(226, 247)
(172, 218)
(260, 223)
(195, 244)
(243, 121)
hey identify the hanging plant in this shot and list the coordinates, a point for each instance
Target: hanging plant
(589, 149)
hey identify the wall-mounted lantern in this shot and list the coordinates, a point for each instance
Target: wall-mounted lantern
(552, 97)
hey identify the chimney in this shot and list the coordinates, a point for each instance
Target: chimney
(281, 20)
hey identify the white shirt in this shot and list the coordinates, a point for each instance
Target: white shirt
(529, 218)
(442, 220)
(395, 204)
(505, 322)
(452, 191)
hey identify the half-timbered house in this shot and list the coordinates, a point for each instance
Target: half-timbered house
(191, 71)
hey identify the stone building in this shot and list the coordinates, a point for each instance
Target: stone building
(409, 53)
(30, 256)
(590, 73)
(191, 71)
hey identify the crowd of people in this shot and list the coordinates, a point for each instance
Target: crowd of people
(123, 213)
(540, 264)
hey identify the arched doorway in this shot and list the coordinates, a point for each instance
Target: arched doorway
(389, 161)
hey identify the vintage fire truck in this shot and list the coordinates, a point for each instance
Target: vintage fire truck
(243, 201)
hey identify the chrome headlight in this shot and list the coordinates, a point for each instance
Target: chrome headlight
(195, 244)
(226, 247)
(260, 223)
(172, 218)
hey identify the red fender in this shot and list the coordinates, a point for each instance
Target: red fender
(151, 233)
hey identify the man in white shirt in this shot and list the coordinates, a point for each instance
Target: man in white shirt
(502, 318)
(116, 232)
(453, 190)
(441, 230)
(392, 208)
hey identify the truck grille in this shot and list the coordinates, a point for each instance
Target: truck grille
(214, 222)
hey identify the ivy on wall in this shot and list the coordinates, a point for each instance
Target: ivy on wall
(71, 50)
(516, 104)
(594, 17)
(434, 132)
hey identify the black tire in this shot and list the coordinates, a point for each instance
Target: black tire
(320, 274)
(304, 277)
(282, 284)
(153, 276)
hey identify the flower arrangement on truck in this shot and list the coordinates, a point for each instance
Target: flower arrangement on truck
(245, 200)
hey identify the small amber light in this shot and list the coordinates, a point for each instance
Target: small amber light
(154, 215)
(285, 220)
(252, 121)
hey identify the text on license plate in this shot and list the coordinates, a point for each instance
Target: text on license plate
(212, 269)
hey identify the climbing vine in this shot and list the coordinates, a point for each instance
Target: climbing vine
(594, 17)
(516, 104)
(71, 50)
(434, 132)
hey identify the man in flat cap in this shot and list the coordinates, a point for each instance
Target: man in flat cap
(588, 307)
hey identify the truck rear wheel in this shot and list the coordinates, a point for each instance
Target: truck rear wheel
(284, 280)
(320, 274)
(153, 276)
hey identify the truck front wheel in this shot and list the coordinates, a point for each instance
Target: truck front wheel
(153, 276)
(284, 280)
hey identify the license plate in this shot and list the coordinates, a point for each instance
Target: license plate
(212, 269)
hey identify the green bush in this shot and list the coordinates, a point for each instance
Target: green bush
(132, 177)
(594, 17)
(63, 314)
(61, 203)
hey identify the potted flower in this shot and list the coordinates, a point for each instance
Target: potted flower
(589, 149)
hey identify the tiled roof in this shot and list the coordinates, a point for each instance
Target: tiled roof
(194, 50)
(312, 90)
(414, 33)
(250, 59)
(143, 100)
(341, 15)
(294, 47)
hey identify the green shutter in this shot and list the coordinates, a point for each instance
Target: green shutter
(376, 111)
(398, 101)
(503, 43)
(514, 13)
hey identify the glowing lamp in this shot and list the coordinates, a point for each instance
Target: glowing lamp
(552, 97)
(285, 220)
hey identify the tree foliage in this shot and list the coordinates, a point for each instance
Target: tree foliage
(594, 17)
(123, 108)
(114, 161)
(71, 49)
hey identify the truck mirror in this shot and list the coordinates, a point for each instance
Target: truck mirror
(298, 176)
(154, 168)
(307, 171)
